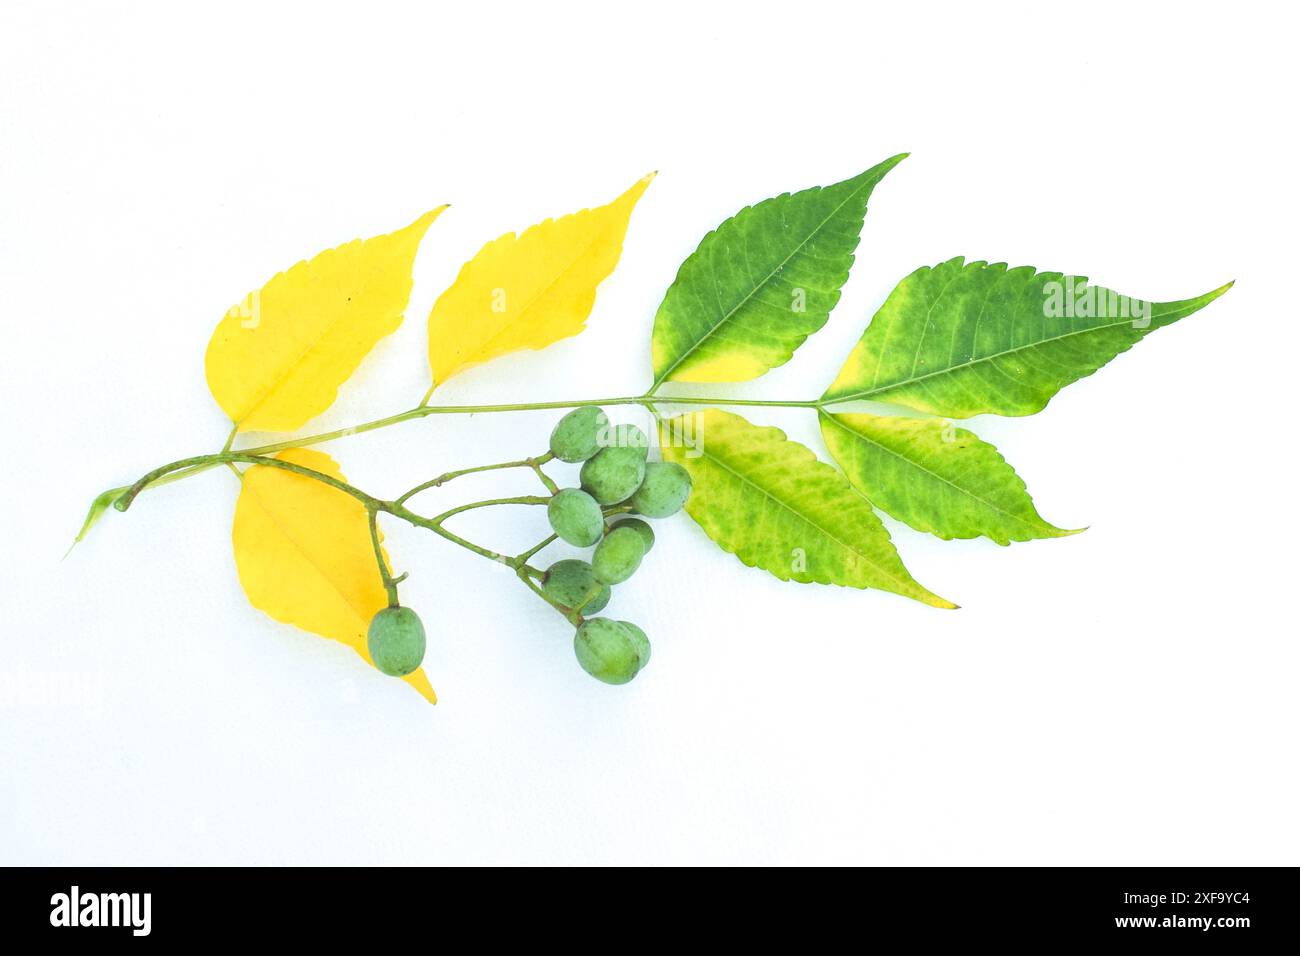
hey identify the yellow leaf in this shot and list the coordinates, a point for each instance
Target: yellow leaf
(278, 358)
(527, 291)
(305, 557)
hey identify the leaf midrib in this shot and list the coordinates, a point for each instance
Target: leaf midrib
(283, 377)
(952, 369)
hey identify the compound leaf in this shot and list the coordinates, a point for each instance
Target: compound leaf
(761, 283)
(772, 504)
(278, 358)
(304, 554)
(967, 339)
(529, 290)
(935, 477)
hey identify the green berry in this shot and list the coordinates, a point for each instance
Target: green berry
(614, 473)
(642, 528)
(577, 435)
(618, 555)
(626, 436)
(570, 581)
(641, 642)
(665, 489)
(575, 517)
(607, 650)
(396, 641)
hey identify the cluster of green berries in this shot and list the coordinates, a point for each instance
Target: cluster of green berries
(616, 479)
(615, 476)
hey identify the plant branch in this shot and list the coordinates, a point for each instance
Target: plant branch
(409, 516)
(520, 559)
(517, 500)
(524, 571)
(371, 503)
(225, 457)
(122, 497)
(570, 615)
(542, 476)
(422, 411)
(533, 463)
(390, 583)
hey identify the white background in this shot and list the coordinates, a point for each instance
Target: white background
(1124, 696)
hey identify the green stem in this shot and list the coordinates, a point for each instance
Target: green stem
(570, 615)
(390, 585)
(533, 463)
(588, 598)
(208, 461)
(518, 500)
(422, 411)
(225, 457)
(524, 571)
(542, 476)
(522, 558)
(430, 524)
(369, 501)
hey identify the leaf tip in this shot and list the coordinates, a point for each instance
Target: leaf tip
(420, 682)
(634, 193)
(892, 161)
(931, 599)
(425, 221)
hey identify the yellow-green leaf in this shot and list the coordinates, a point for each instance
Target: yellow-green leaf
(305, 557)
(772, 504)
(526, 291)
(278, 357)
(935, 476)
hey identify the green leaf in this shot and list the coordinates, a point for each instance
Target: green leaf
(772, 504)
(961, 340)
(761, 283)
(935, 477)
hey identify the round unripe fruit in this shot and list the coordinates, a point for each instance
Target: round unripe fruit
(575, 517)
(640, 641)
(642, 528)
(570, 581)
(396, 641)
(577, 435)
(664, 490)
(626, 436)
(614, 473)
(618, 555)
(607, 650)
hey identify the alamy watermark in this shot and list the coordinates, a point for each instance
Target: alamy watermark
(76, 908)
(1075, 299)
(680, 431)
